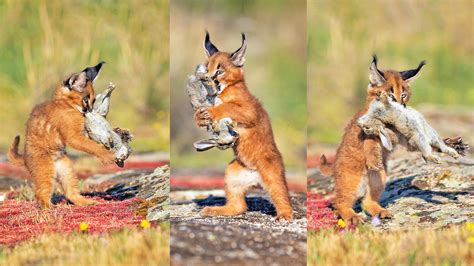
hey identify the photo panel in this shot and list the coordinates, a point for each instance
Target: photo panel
(389, 88)
(260, 82)
(85, 87)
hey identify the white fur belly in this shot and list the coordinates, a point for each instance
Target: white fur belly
(244, 178)
(60, 168)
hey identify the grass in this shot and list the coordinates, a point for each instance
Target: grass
(342, 36)
(126, 247)
(448, 246)
(47, 40)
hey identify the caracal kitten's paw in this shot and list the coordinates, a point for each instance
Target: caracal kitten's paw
(46, 204)
(354, 219)
(222, 211)
(107, 158)
(83, 201)
(209, 211)
(384, 214)
(286, 215)
(202, 117)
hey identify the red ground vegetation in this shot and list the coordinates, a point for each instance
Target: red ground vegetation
(23, 220)
(319, 215)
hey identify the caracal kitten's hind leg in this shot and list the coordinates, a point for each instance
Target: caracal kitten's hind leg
(69, 182)
(42, 173)
(347, 187)
(235, 189)
(374, 154)
(375, 188)
(273, 180)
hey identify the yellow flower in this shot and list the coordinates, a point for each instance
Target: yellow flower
(341, 223)
(470, 226)
(83, 226)
(145, 224)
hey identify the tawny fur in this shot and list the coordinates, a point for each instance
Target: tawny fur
(51, 127)
(257, 159)
(360, 165)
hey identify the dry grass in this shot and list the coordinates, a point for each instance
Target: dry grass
(128, 247)
(449, 246)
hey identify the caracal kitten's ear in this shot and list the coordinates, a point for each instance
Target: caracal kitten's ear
(385, 139)
(376, 77)
(92, 73)
(208, 46)
(76, 82)
(238, 57)
(412, 74)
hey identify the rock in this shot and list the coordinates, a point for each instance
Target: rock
(153, 188)
(428, 195)
(254, 237)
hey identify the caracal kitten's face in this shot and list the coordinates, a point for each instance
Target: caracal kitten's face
(224, 69)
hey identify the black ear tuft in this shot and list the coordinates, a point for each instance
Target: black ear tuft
(209, 47)
(408, 75)
(374, 61)
(93, 72)
(238, 57)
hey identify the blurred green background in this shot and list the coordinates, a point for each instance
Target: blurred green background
(275, 71)
(342, 36)
(43, 41)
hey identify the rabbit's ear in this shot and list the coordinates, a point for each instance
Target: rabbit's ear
(205, 144)
(385, 139)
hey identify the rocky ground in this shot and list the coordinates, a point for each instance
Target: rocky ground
(250, 239)
(419, 194)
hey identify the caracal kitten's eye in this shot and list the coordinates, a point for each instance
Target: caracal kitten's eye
(404, 96)
(219, 72)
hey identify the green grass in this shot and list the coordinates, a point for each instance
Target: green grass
(47, 40)
(448, 246)
(126, 247)
(342, 36)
